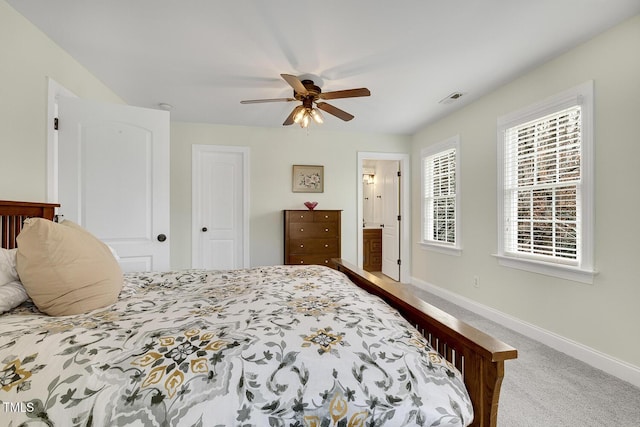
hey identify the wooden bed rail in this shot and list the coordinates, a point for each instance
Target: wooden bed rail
(477, 355)
(12, 215)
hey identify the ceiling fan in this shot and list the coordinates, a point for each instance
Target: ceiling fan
(310, 94)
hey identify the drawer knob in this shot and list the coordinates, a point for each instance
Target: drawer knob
(301, 262)
(326, 216)
(302, 246)
(326, 230)
(326, 261)
(326, 245)
(302, 229)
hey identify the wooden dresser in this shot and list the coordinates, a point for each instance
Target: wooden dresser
(311, 237)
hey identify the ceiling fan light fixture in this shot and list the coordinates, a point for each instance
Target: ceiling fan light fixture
(297, 117)
(305, 120)
(316, 116)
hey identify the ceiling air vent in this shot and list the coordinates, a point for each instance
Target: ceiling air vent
(450, 98)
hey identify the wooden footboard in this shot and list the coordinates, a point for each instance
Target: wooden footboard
(477, 355)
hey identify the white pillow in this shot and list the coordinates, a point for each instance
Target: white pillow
(114, 253)
(12, 293)
(8, 271)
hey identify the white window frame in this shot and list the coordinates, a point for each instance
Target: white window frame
(582, 270)
(425, 153)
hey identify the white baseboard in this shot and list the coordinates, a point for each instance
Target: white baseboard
(609, 364)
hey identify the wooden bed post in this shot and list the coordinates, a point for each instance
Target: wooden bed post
(477, 355)
(485, 389)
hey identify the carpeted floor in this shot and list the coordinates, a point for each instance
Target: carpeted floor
(546, 388)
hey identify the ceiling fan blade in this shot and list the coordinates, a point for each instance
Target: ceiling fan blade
(258, 101)
(334, 111)
(295, 83)
(348, 93)
(289, 120)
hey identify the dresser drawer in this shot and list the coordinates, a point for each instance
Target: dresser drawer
(301, 216)
(314, 246)
(309, 260)
(325, 216)
(312, 230)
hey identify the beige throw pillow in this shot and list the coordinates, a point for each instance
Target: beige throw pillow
(65, 269)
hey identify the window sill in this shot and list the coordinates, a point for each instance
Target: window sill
(560, 271)
(448, 250)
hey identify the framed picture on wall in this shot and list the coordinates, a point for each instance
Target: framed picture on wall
(307, 179)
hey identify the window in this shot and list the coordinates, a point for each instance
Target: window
(546, 186)
(440, 189)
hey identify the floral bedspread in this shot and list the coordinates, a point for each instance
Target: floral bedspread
(270, 346)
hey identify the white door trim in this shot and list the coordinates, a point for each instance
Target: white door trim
(196, 150)
(54, 91)
(405, 208)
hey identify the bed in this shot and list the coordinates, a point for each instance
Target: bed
(273, 346)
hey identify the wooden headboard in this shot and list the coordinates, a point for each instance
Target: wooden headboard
(13, 214)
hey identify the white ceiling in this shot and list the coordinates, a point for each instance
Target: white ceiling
(204, 56)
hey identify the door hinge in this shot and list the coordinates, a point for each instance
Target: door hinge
(55, 123)
(399, 217)
(399, 173)
(399, 262)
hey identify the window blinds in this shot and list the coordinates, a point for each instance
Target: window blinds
(440, 197)
(542, 181)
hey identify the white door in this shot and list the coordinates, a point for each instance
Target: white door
(390, 210)
(220, 207)
(113, 178)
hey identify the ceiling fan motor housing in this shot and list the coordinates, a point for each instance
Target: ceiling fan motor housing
(313, 91)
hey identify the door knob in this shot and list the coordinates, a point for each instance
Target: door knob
(204, 229)
(161, 237)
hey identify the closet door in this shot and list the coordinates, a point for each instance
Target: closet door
(113, 177)
(220, 207)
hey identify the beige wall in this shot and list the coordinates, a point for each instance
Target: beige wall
(27, 58)
(605, 315)
(273, 152)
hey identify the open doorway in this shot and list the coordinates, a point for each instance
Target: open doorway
(383, 214)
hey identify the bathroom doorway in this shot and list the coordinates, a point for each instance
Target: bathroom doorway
(383, 214)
